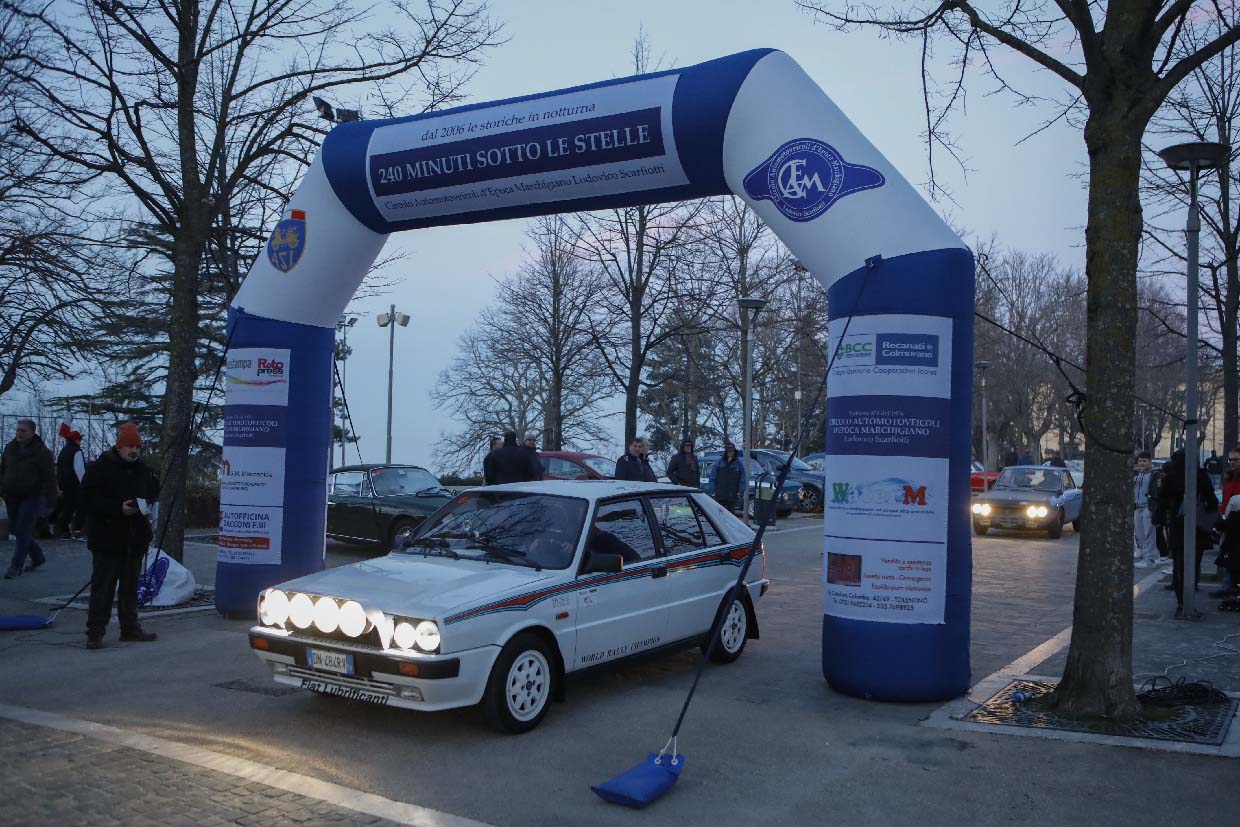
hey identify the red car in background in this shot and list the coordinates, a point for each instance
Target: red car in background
(981, 479)
(572, 465)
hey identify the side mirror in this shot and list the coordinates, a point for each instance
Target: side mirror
(598, 562)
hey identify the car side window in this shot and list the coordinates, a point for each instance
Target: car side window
(349, 484)
(708, 531)
(679, 528)
(622, 528)
(1068, 482)
(562, 468)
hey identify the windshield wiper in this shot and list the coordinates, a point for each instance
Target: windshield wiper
(508, 555)
(432, 491)
(440, 545)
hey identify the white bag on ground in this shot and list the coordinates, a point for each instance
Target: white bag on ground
(177, 586)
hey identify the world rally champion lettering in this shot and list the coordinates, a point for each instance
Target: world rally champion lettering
(804, 177)
(583, 143)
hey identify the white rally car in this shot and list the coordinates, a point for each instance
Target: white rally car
(506, 589)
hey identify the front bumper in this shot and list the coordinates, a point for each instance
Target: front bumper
(1016, 519)
(423, 682)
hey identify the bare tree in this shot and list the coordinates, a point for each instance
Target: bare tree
(1119, 63)
(182, 106)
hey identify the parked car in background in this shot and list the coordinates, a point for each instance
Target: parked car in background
(508, 589)
(573, 465)
(789, 496)
(815, 461)
(980, 479)
(1031, 497)
(381, 504)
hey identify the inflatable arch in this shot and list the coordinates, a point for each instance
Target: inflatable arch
(897, 567)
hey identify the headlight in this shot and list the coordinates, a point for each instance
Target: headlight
(427, 636)
(326, 615)
(981, 508)
(404, 635)
(1036, 511)
(273, 610)
(301, 610)
(352, 619)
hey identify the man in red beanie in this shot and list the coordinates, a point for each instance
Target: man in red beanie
(117, 496)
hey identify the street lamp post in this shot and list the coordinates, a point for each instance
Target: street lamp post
(1192, 158)
(982, 366)
(342, 327)
(747, 304)
(390, 320)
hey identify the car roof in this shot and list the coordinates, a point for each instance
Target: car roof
(589, 489)
(1034, 468)
(570, 455)
(370, 466)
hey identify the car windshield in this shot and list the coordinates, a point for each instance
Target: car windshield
(1040, 479)
(797, 464)
(391, 482)
(511, 527)
(600, 466)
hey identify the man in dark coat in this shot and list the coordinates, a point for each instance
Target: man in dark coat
(635, 464)
(488, 462)
(683, 468)
(70, 468)
(512, 463)
(117, 497)
(531, 447)
(28, 484)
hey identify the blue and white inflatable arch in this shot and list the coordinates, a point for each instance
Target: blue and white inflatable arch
(897, 566)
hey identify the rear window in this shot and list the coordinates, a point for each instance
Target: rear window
(733, 530)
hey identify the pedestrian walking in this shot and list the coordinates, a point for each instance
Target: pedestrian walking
(1145, 554)
(635, 464)
(488, 462)
(28, 485)
(70, 468)
(118, 494)
(728, 478)
(1171, 495)
(684, 468)
(513, 463)
(531, 447)
(1228, 560)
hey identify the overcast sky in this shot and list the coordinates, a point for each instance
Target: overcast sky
(1029, 196)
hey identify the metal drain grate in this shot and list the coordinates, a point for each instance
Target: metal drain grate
(1204, 723)
(273, 690)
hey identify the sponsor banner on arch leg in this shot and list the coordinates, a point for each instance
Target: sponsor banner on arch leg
(887, 582)
(893, 498)
(891, 354)
(250, 534)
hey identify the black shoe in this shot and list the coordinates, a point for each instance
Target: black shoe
(94, 642)
(36, 566)
(12, 574)
(138, 637)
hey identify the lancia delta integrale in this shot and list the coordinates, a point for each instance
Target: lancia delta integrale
(1030, 497)
(505, 590)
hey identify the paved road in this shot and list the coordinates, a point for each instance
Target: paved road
(767, 741)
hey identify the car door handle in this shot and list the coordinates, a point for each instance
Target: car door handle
(659, 572)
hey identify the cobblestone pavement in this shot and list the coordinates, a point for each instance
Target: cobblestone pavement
(60, 778)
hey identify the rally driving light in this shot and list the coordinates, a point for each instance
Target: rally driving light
(273, 608)
(326, 615)
(427, 636)
(981, 508)
(1036, 511)
(301, 610)
(352, 619)
(404, 635)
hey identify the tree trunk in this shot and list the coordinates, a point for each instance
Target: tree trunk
(1097, 680)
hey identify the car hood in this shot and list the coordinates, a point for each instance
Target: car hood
(416, 586)
(1017, 496)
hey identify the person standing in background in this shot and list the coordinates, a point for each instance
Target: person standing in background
(683, 469)
(70, 469)
(1146, 551)
(28, 485)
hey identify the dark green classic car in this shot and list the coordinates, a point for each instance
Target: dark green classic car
(380, 504)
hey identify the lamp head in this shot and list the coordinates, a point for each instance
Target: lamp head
(1203, 155)
(384, 319)
(750, 303)
(981, 364)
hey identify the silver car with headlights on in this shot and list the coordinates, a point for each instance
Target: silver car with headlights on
(1029, 497)
(505, 590)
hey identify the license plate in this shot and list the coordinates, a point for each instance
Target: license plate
(1010, 522)
(329, 661)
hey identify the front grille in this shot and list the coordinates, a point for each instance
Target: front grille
(369, 641)
(352, 681)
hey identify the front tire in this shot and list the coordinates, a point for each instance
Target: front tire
(519, 689)
(811, 502)
(401, 531)
(733, 633)
(1056, 529)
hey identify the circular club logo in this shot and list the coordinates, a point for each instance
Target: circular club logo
(804, 177)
